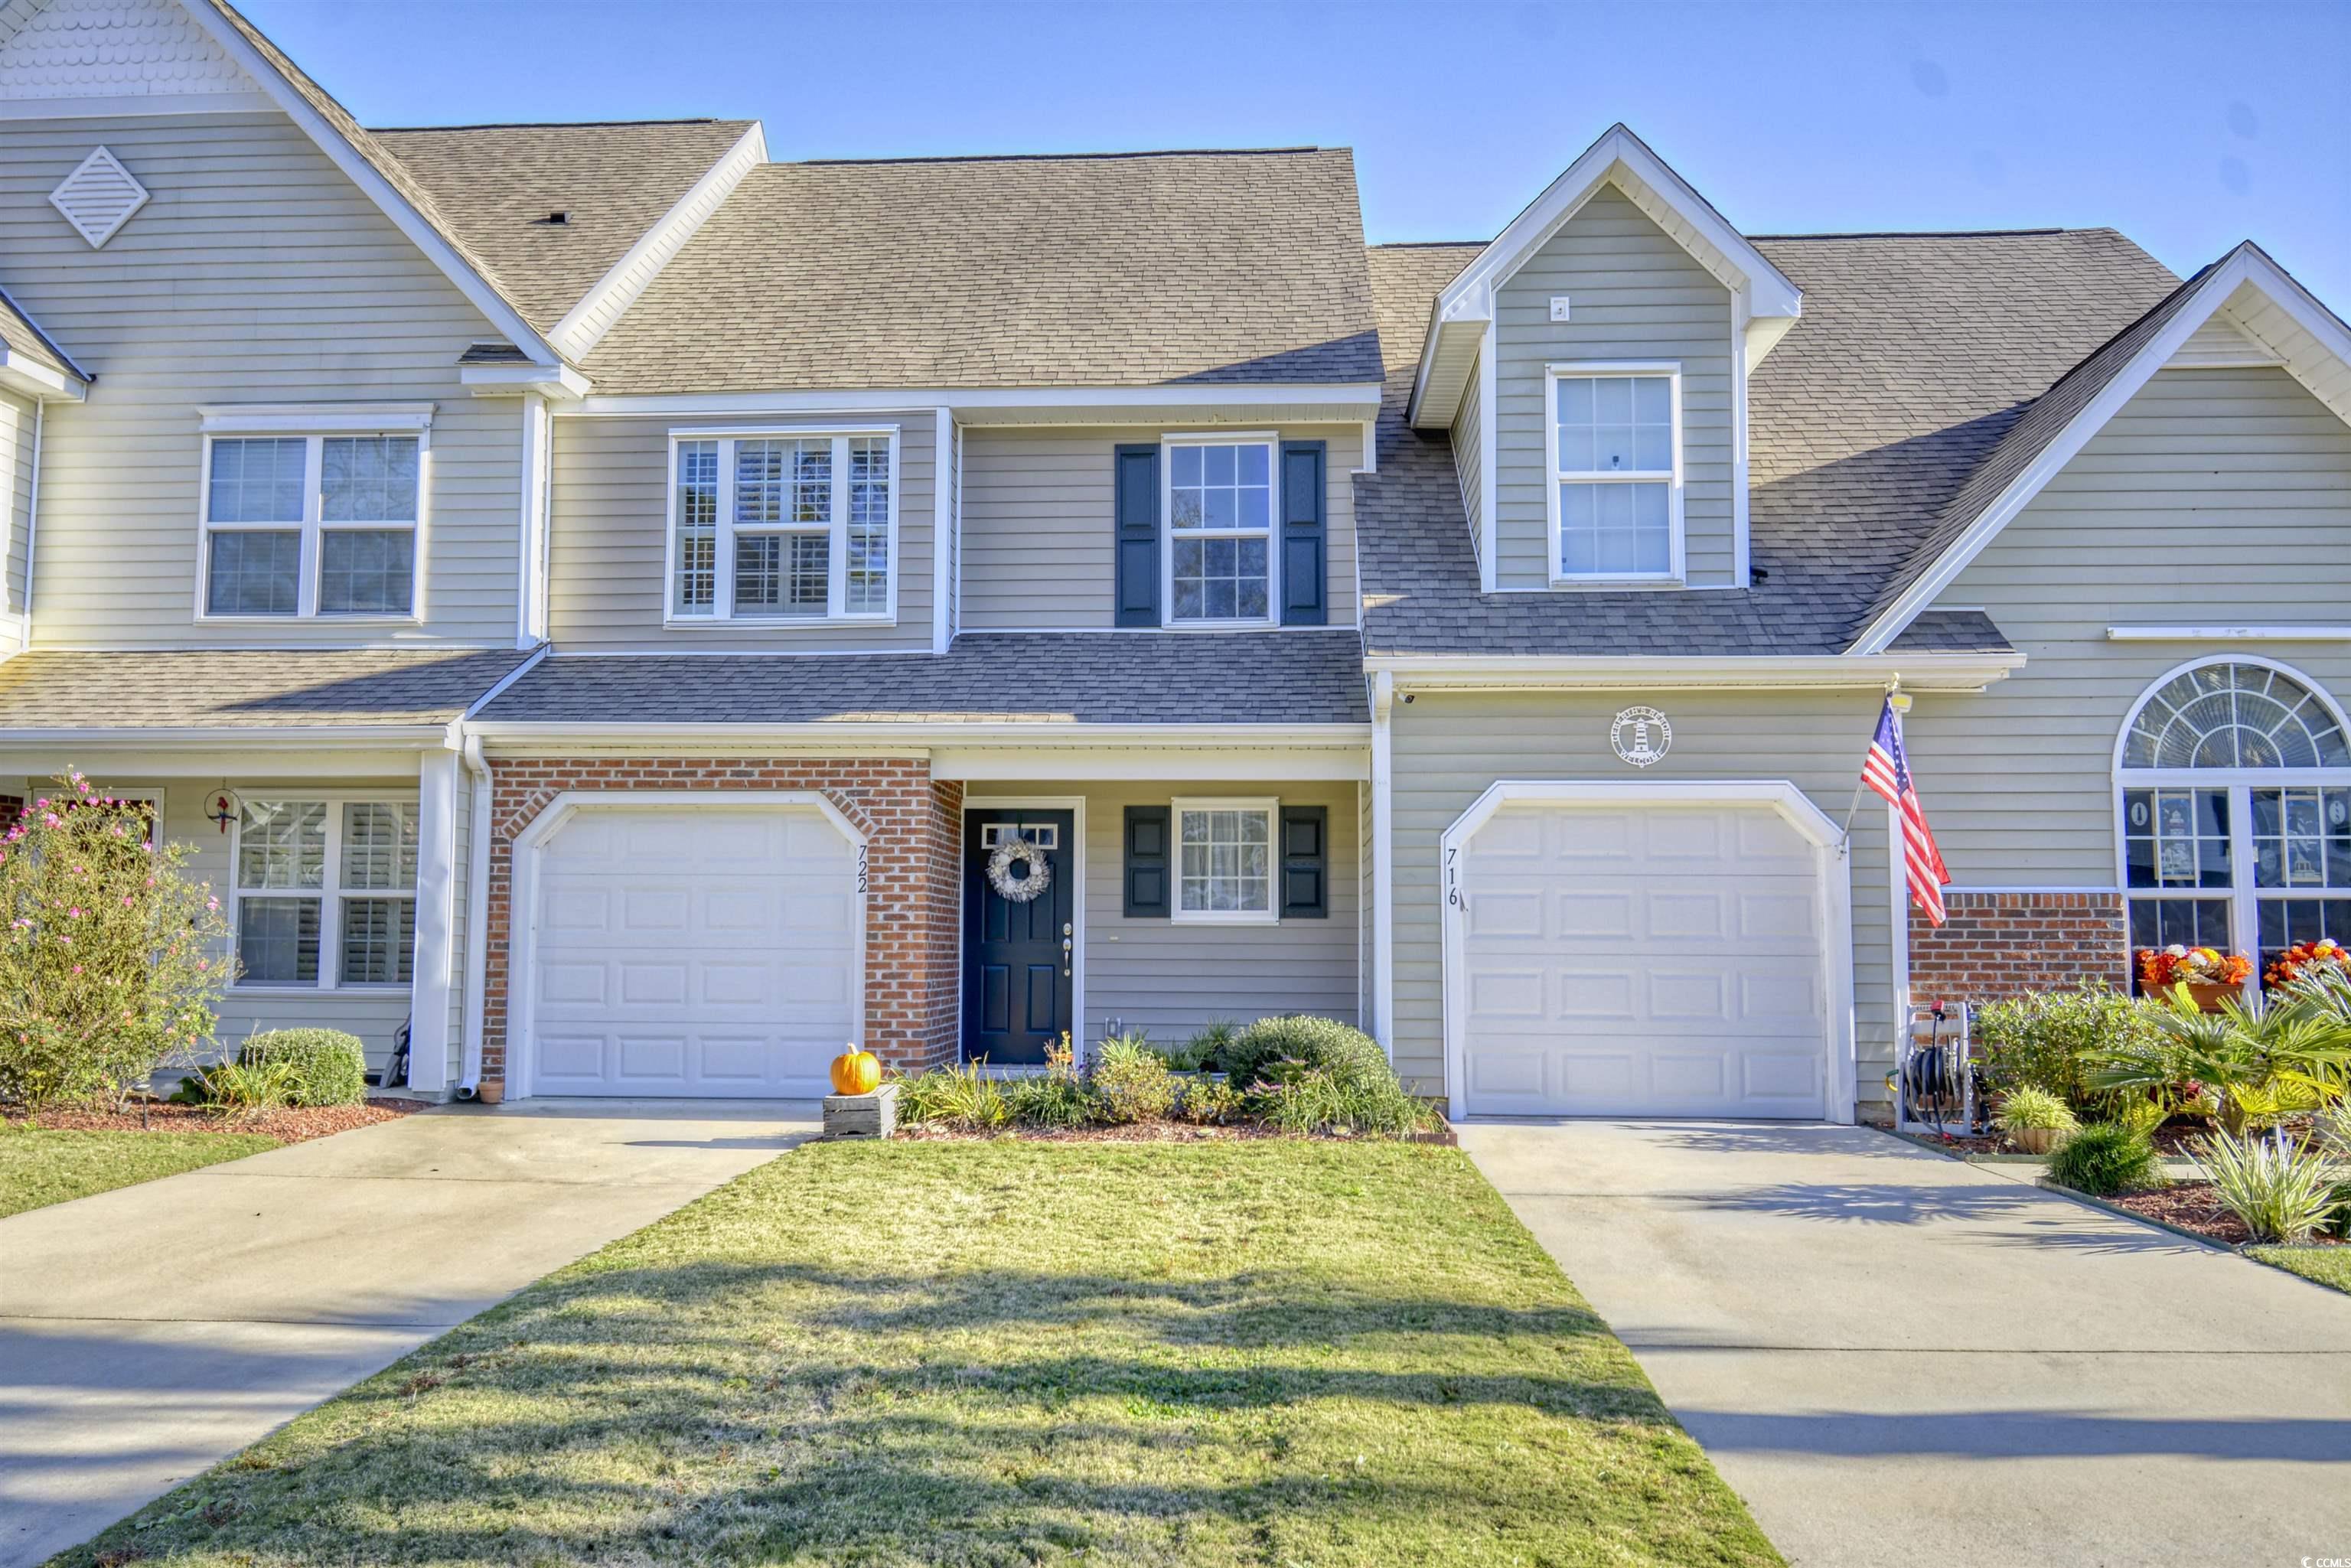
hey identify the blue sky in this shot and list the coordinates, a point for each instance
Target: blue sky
(2189, 126)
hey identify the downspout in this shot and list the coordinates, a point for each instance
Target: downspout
(478, 912)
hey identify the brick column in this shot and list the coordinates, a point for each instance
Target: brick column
(1995, 944)
(913, 828)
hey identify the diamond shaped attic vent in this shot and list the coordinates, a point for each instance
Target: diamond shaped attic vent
(99, 197)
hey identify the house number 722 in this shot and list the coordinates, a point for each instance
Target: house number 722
(860, 868)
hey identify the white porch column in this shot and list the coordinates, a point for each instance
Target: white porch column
(1381, 849)
(437, 888)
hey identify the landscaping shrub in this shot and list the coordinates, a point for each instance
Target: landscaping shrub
(248, 1087)
(1210, 1101)
(2243, 1067)
(330, 1066)
(1131, 1081)
(2105, 1158)
(1301, 1036)
(1206, 1050)
(2283, 1191)
(961, 1097)
(1052, 1101)
(108, 966)
(2042, 1040)
(2029, 1110)
(1307, 1074)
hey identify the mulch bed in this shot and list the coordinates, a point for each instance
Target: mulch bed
(1145, 1133)
(2173, 1140)
(2193, 1205)
(287, 1127)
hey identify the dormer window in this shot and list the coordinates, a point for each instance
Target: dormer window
(1616, 472)
(783, 526)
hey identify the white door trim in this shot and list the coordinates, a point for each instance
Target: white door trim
(522, 895)
(1071, 804)
(1834, 878)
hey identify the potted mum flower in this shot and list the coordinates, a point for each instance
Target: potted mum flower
(2302, 956)
(2209, 973)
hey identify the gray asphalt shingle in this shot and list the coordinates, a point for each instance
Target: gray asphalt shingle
(1287, 677)
(245, 688)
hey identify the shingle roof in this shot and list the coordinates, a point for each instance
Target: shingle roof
(1914, 356)
(497, 183)
(1050, 677)
(22, 335)
(1116, 270)
(256, 689)
(1951, 631)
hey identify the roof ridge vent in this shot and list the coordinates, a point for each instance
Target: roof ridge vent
(99, 197)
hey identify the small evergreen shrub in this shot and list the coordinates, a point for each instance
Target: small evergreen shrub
(1131, 1081)
(1210, 1101)
(329, 1067)
(2042, 1040)
(1305, 1074)
(2034, 1110)
(1327, 1043)
(1053, 1100)
(1206, 1050)
(2105, 1158)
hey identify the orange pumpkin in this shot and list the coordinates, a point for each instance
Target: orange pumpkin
(856, 1072)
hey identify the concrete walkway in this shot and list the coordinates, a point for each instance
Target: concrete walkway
(1898, 1358)
(149, 1331)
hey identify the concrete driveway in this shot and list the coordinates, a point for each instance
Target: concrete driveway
(1898, 1358)
(147, 1332)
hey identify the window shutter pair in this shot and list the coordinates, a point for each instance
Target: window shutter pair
(1303, 542)
(1305, 856)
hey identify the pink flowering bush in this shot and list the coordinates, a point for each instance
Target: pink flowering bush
(110, 957)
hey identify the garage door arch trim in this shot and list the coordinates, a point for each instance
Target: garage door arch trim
(522, 904)
(1832, 868)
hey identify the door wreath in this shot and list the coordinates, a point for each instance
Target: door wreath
(1018, 889)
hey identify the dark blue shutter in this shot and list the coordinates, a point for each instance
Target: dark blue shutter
(1136, 481)
(1146, 862)
(1306, 863)
(1305, 550)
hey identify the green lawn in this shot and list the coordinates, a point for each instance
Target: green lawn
(2327, 1265)
(39, 1167)
(1236, 1353)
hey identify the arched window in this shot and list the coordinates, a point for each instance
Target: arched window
(2235, 794)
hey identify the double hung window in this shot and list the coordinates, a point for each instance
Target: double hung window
(2235, 798)
(1219, 509)
(1225, 861)
(782, 525)
(326, 892)
(1615, 487)
(311, 524)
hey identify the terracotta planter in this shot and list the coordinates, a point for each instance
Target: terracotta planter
(2036, 1140)
(490, 1091)
(2210, 994)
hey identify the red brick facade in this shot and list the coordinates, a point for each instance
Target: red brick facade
(914, 827)
(1995, 944)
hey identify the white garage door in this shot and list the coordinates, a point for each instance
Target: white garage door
(683, 951)
(1643, 960)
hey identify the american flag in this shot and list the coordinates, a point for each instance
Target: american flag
(1886, 770)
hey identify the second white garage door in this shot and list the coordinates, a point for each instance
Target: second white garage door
(1644, 960)
(693, 951)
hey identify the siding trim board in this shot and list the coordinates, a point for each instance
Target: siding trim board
(2246, 267)
(1834, 880)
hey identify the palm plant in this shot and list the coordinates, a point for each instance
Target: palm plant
(2250, 1066)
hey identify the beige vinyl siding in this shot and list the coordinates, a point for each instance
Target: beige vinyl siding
(1170, 979)
(374, 1013)
(16, 420)
(1038, 522)
(2219, 341)
(608, 550)
(255, 273)
(1635, 295)
(1468, 456)
(2215, 498)
(1450, 747)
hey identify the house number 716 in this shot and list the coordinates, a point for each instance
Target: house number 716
(1453, 894)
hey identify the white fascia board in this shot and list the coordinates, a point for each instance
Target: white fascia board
(558, 382)
(2229, 633)
(1361, 399)
(601, 308)
(2245, 265)
(291, 738)
(35, 379)
(850, 736)
(1923, 671)
(363, 174)
(1157, 764)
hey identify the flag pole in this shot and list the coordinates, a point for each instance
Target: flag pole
(1844, 845)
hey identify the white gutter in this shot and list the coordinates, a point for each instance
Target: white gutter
(325, 737)
(33, 515)
(477, 901)
(852, 733)
(1921, 672)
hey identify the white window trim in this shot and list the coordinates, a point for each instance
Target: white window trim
(722, 616)
(1676, 568)
(330, 894)
(2244, 898)
(1267, 804)
(314, 427)
(1272, 442)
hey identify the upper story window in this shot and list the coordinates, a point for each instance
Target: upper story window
(1219, 509)
(782, 525)
(1616, 476)
(310, 524)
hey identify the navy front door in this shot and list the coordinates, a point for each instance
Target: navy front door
(1018, 953)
